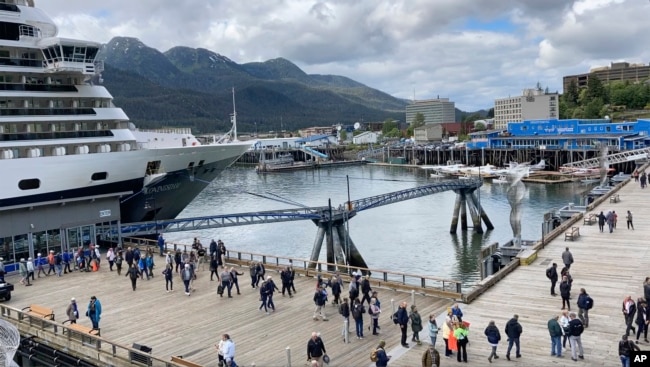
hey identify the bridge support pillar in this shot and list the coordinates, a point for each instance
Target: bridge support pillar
(341, 252)
(318, 243)
(454, 218)
(467, 200)
(463, 212)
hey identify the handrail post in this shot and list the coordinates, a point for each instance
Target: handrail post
(288, 349)
(346, 330)
(413, 296)
(385, 276)
(459, 287)
(423, 283)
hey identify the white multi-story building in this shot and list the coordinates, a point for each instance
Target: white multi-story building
(533, 104)
(435, 111)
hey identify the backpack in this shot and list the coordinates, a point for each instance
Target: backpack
(370, 310)
(395, 318)
(589, 303)
(373, 355)
(577, 329)
(549, 272)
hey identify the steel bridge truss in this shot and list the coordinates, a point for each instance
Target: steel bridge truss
(622, 157)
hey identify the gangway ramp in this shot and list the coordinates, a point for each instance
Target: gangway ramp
(314, 152)
(622, 157)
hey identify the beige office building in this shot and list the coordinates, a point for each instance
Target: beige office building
(435, 111)
(617, 71)
(533, 104)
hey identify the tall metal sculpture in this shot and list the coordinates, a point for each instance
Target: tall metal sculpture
(516, 192)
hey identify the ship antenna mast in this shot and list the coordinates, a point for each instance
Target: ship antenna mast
(234, 114)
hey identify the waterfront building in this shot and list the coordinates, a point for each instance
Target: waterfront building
(533, 104)
(428, 133)
(435, 111)
(572, 134)
(366, 137)
(317, 130)
(617, 71)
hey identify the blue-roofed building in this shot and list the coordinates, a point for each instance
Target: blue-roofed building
(572, 134)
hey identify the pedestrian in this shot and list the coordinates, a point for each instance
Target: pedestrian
(382, 357)
(628, 217)
(551, 274)
(39, 265)
(22, 269)
(457, 312)
(513, 331)
(615, 218)
(264, 296)
(252, 271)
(430, 357)
(601, 222)
(259, 271)
(219, 347)
(271, 288)
(233, 278)
(316, 349)
(66, 262)
(585, 303)
(433, 329)
(374, 312)
(142, 268)
(161, 244)
(72, 311)
(285, 277)
(461, 341)
(641, 319)
(149, 264)
(357, 314)
(609, 217)
(177, 259)
(344, 311)
(337, 287)
(30, 268)
(214, 269)
(403, 321)
(110, 255)
(169, 278)
(447, 329)
(565, 292)
(133, 274)
(186, 275)
(567, 258)
(555, 331)
(625, 348)
(320, 300)
(228, 351)
(646, 289)
(629, 310)
(94, 312)
(564, 323)
(365, 289)
(118, 263)
(50, 262)
(576, 328)
(493, 337)
(416, 324)
(292, 271)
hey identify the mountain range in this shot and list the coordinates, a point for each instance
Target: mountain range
(192, 87)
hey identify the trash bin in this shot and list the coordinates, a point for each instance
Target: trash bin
(496, 263)
(140, 357)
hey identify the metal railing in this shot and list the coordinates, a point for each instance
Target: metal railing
(88, 345)
(383, 278)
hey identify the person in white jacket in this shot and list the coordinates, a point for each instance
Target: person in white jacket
(227, 349)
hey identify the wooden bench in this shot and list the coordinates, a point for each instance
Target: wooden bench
(39, 311)
(572, 233)
(614, 198)
(590, 219)
(182, 362)
(82, 333)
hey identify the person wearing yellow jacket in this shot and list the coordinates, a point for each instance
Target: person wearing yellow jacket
(447, 333)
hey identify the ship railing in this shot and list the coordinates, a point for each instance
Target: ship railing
(86, 343)
(435, 286)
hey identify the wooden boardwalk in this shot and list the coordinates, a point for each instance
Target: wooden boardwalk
(609, 266)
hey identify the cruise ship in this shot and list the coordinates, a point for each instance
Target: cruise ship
(61, 136)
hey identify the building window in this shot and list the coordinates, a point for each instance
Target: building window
(98, 176)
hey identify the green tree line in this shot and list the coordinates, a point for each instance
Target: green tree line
(603, 99)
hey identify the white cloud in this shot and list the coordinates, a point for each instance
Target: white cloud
(470, 51)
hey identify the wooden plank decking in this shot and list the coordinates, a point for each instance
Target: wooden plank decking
(609, 266)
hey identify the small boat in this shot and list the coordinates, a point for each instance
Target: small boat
(590, 180)
(500, 179)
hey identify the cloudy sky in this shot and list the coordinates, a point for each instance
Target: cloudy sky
(471, 51)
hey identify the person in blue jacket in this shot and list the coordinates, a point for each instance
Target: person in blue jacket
(382, 357)
(94, 312)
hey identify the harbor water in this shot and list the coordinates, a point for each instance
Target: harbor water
(410, 236)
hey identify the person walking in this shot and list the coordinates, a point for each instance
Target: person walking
(382, 357)
(447, 329)
(344, 311)
(493, 337)
(433, 329)
(161, 244)
(186, 276)
(366, 289)
(72, 311)
(169, 278)
(320, 299)
(416, 324)
(316, 349)
(374, 312)
(628, 217)
(610, 218)
(227, 349)
(575, 330)
(461, 333)
(564, 323)
(565, 292)
(30, 269)
(94, 312)
(555, 331)
(24, 274)
(601, 222)
(567, 258)
(233, 276)
(110, 255)
(431, 357)
(357, 314)
(118, 263)
(271, 288)
(585, 303)
(133, 274)
(403, 321)
(264, 296)
(285, 277)
(513, 331)
(551, 274)
(629, 310)
(641, 319)
(625, 348)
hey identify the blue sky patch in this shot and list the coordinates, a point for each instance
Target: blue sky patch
(500, 25)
